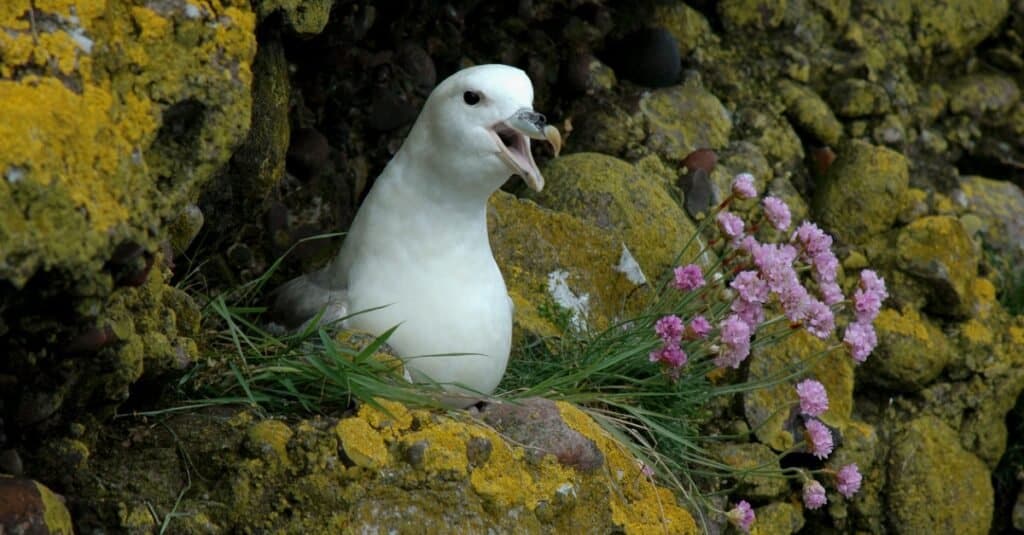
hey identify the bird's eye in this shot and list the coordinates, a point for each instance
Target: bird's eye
(471, 97)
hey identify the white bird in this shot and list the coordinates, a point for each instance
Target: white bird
(418, 246)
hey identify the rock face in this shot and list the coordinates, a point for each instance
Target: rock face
(383, 470)
(935, 484)
(112, 119)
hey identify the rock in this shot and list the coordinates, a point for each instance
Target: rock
(770, 411)
(911, 352)
(452, 484)
(10, 462)
(617, 196)
(537, 425)
(779, 517)
(687, 25)
(938, 251)
(1017, 516)
(680, 120)
(854, 97)
(933, 482)
(31, 508)
(533, 245)
(862, 193)
(304, 17)
(765, 481)
(185, 227)
(773, 135)
(586, 75)
(607, 129)
(751, 15)
(259, 163)
(810, 112)
(952, 27)
(390, 110)
(981, 94)
(1000, 206)
(649, 57)
(417, 64)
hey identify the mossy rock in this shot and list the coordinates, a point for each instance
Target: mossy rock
(764, 480)
(854, 97)
(938, 251)
(1000, 206)
(687, 25)
(771, 412)
(30, 507)
(911, 352)
(625, 199)
(981, 94)
(534, 246)
(810, 112)
(307, 18)
(682, 119)
(751, 15)
(366, 472)
(778, 518)
(862, 193)
(934, 485)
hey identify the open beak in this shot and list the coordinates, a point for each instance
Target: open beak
(513, 139)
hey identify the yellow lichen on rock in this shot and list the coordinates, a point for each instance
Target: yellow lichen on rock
(637, 504)
(361, 443)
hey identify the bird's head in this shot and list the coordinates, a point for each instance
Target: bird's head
(485, 115)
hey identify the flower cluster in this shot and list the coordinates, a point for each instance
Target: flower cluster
(860, 335)
(813, 397)
(848, 481)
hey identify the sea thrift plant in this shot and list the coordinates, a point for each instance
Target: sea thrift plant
(814, 495)
(820, 438)
(742, 516)
(813, 397)
(689, 277)
(848, 480)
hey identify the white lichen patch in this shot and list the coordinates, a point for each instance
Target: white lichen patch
(629, 267)
(577, 305)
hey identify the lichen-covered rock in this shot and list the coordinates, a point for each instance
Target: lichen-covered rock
(772, 412)
(30, 507)
(305, 17)
(933, 484)
(778, 518)
(862, 193)
(938, 251)
(112, 117)
(682, 119)
(757, 470)
(773, 135)
(810, 112)
(854, 97)
(376, 471)
(911, 351)
(617, 196)
(686, 24)
(979, 94)
(559, 269)
(1000, 206)
(749, 15)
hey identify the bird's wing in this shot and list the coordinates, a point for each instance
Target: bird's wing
(299, 300)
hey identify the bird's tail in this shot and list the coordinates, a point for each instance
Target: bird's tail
(296, 302)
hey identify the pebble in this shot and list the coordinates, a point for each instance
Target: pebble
(308, 153)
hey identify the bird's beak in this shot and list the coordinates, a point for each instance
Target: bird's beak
(512, 137)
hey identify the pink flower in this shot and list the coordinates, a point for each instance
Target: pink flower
(750, 287)
(813, 397)
(777, 212)
(825, 265)
(743, 186)
(820, 438)
(742, 516)
(794, 298)
(731, 225)
(646, 470)
(699, 327)
(814, 495)
(848, 480)
(866, 305)
(831, 293)
(818, 319)
(813, 239)
(669, 329)
(871, 282)
(689, 277)
(750, 312)
(861, 339)
(735, 334)
(775, 262)
(671, 355)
